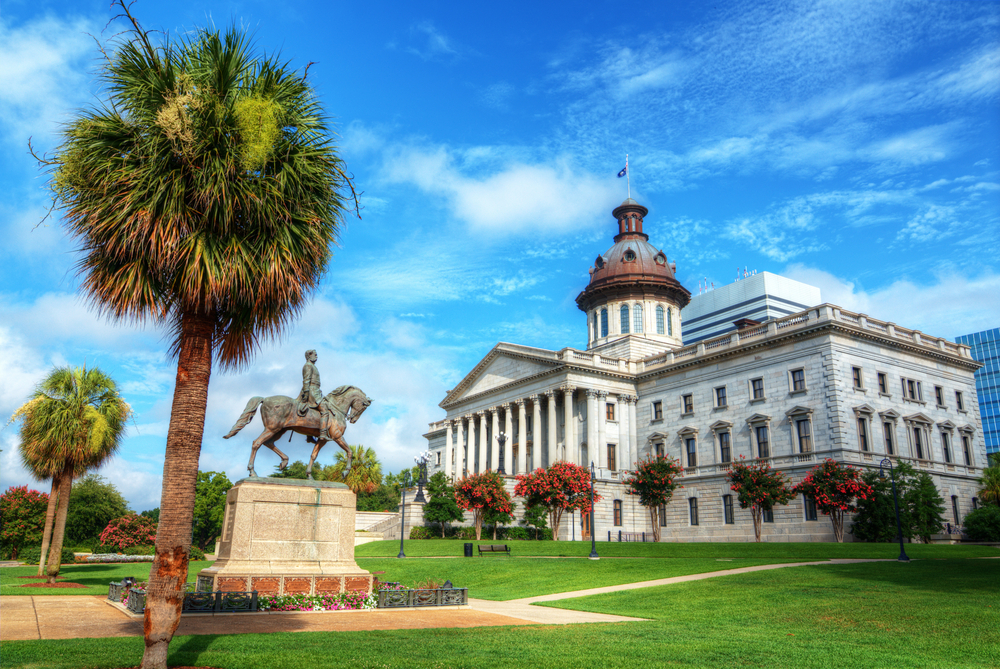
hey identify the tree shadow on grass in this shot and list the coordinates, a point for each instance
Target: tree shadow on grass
(952, 577)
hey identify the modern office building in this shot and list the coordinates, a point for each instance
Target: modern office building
(985, 347)
(759, 297)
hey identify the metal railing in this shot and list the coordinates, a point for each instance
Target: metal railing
(394, 599)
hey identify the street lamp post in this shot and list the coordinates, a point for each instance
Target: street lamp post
(404, 481)
(886, 462)
(501, 440)
(593, 517)
(422, 461)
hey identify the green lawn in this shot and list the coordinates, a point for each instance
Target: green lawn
(95, 576)
(926, 614)
(766, 551)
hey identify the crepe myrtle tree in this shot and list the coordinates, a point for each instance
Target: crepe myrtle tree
(560, 488)
(835, 487)
(654, 481)
(205, 193)
(22, 519)
(758, 488)
(483, 494)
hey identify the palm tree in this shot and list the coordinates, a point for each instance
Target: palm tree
(366, 471)
(990, 480)
(205, 194)
(74, 421)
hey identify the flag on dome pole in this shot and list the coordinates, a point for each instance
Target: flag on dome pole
(624, 173)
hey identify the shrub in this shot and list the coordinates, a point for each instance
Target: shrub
(129, 530)
(421, 533)
(31, 555)
(195, 554)
(23, 519)
(983, 524)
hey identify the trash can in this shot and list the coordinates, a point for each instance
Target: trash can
(468, 550)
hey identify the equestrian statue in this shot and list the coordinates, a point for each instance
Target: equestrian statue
(321, 419)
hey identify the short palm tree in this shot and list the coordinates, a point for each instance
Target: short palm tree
(206, 195)
(74, 421)
(990, 482)
(366, 471)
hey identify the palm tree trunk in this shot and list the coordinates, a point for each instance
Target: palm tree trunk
(59, 529)
(50, 516)
(165, 593)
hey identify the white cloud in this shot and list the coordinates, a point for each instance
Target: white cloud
(434, 43)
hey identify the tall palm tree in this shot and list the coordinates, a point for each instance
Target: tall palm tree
(206, 195)
(365, 474)
(74, 421)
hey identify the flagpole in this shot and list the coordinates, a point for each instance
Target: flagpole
(628, 177)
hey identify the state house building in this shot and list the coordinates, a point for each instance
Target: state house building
(816, 384)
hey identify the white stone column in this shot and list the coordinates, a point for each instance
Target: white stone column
(494, 443)
(591, 427)
(602, 430)
(633, 441)
(482, 442)
(624, 454)
(536, 432)
(552, 448)
(460, 447)
(508, 429)
(449, 451)
(570, 437)
(522, 436)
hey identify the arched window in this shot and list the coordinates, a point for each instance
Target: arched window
(659, 319)
(637, 318)
(670, 322)
(595, 325)
(604, 322)
(624, 314)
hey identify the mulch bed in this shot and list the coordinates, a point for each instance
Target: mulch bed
(37, 577)
(52, 585)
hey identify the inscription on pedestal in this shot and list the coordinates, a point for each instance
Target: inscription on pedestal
(266, 585)
(230, 584)
(297, 586)
(327, 584)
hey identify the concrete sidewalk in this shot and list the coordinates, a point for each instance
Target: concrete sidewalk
(78, 617)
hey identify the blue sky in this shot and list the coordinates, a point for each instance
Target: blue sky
(852, 145)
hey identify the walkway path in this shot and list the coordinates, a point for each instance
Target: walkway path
(77, 617)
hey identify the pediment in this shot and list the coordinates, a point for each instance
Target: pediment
(720, 425)
(967, 428)
(946, 425)
(658, 436)
(499, 368)
(889, 414)
(918, 418)
(758, 418)
(687, 430)
(864, 408)
(799, 411)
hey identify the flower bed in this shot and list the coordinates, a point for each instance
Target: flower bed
(324, 601)
(118, 557)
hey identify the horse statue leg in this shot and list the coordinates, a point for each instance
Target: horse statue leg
(347, 449)
(266, 438)
(270, 444)
(320, 443)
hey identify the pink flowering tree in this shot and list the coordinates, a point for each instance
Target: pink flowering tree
(835, 487)
(22, 517)
(128, 531)
(560, 488)
(481, 494)
(758, 488)
(655, 481)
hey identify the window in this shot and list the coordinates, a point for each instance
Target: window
(691, 444)
(954, 510)
(959, 404)
(687, 403)
(763, 447)
(725, 450)
(659, 450)
(863, 433)
(975, 503)
(890, 446)
(604, 322)
(659, 320)
(767, 515)
(918, 442)
(657, 410)
(720, 396)
(618, 512)
(856, 375)
(693, 509)
(609, 409)
(670, 322)
(967, 450)
(439, 458)
(757, 388)
(727, 509)
(596, 335)
(883, 383)
(637, 319)
(810, 507)
(912, 390)
(624, 318)
(939, 395)
(798, 380)
(804, 433)
(946, 447)
(611, 457)
(662, 515)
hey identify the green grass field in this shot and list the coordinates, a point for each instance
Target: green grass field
(95, 576)
(933, 614)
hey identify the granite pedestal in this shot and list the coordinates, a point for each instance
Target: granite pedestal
(287, 536)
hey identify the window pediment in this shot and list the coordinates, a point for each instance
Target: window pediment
(687, 431)
(946, 425)
(967, 429)
(720, 425)
(758, 418)
(865, 409)
(658, 436)
(889, 414)
(798, 411)
(918, 418)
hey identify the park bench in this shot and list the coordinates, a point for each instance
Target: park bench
(494, 548)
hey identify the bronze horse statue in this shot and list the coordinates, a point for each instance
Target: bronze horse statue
(346, 403)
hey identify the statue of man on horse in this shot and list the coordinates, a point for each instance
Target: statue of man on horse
(321, 419)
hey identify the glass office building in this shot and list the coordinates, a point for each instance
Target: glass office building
(986, 349)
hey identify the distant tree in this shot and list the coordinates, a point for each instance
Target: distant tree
(536, 517)
(396, 480)
(926, 507)
(296, 470)
(441, 507)
(366, 470)
(655, 481)
(383, 498)
(875, 519)
(93, 503)
(989, 493)
(562, 487)
(209, 507)
(22, 519)
(758, 488)
(128, 531)
(835, 487)
(153, 514)
(482, 493)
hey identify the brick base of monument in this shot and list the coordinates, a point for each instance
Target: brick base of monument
(287, 536)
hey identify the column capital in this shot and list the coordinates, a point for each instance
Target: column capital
(568, 389)
(602, 394)
(493, 410)
(533, 397)
(468, 416)
(591, 394)
(520, 402)
(550, 393)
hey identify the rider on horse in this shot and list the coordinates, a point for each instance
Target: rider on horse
(312, 398)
